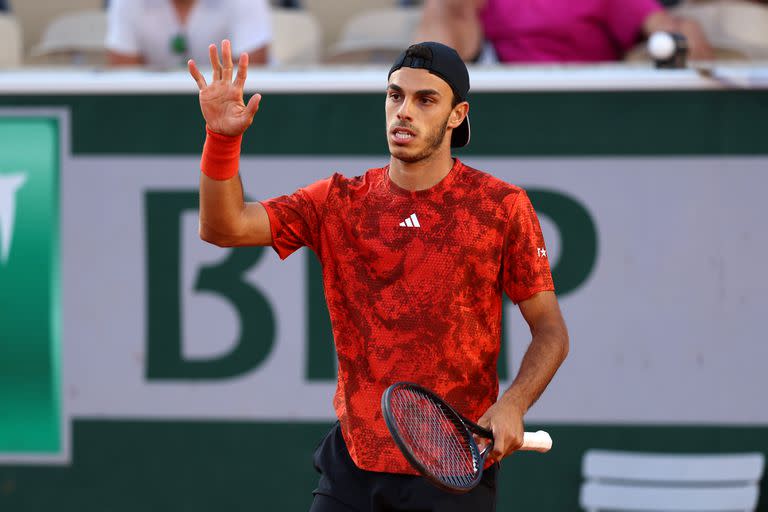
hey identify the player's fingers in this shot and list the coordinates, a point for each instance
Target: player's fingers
(496, 454)
(196, 74)
(253, 104)
(213, 52)
(226, 59)
(242, 70)
(485, 421)
(483, 445)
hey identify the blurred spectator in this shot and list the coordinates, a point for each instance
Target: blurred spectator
(737, 29)
(552, 30)
(166, 33)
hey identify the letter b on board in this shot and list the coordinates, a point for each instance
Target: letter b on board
(165, 360)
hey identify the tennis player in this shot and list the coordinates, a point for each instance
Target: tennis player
(416, 256)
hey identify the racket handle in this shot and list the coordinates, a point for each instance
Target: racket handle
(537, 441)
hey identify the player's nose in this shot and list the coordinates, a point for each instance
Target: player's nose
(404, 111)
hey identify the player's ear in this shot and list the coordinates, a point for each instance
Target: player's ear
(458, 114)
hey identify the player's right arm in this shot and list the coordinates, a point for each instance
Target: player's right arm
(226, 219)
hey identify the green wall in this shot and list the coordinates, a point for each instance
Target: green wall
(535, 124)
(131, 466)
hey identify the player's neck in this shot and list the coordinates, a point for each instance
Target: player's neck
(423, 174)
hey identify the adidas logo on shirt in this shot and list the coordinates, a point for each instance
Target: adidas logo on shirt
(411, 222)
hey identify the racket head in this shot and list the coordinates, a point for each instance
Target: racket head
(433, 437)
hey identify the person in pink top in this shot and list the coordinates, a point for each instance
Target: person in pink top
(548, 31)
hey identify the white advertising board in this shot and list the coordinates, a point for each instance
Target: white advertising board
(666, 328)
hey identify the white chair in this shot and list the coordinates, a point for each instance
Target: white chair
(736, 29)
(734, 26)
(10, 42)
(630, 481)
(332, 15)
(35, 15)
(74, 38)
(376, 35)
(297, 38)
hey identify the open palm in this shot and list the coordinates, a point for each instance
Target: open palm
(221, 101)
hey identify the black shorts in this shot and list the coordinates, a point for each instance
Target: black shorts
(343, 487)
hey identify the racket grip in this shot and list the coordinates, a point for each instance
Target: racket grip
(537, 441)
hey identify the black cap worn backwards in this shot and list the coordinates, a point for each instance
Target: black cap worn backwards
(442, 61)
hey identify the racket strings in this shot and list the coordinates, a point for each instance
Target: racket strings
(436, 436)
(460, 457)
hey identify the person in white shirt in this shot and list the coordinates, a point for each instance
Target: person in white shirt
(165, 34)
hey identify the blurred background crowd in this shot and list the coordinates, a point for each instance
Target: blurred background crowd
(163, 34)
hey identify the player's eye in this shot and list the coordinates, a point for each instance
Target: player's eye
(394, 96)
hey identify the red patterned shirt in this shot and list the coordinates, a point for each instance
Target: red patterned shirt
(414, 283)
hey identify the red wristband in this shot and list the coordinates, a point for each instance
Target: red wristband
(221, 155)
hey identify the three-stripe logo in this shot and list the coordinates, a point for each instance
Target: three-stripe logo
(411, 222)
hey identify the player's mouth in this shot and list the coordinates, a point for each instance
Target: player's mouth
(401, 135)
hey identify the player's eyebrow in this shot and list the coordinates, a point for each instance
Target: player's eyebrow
(427, 92)
(420, 92)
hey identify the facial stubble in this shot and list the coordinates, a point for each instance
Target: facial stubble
(434, 141)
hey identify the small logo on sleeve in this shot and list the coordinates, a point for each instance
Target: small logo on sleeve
(542, 253)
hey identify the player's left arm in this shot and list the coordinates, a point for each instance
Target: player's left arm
(545, 354)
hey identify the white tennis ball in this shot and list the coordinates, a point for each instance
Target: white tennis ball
(661, 45)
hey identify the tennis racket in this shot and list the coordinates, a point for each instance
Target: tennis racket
(438, 441)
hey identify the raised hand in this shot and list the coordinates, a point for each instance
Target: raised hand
(221, 101)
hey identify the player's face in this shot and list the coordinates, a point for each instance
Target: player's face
(419, 111)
